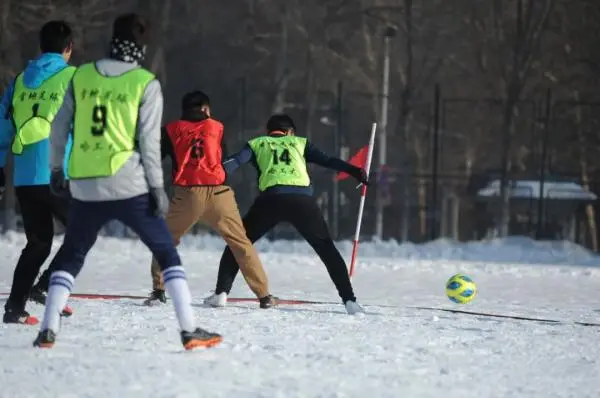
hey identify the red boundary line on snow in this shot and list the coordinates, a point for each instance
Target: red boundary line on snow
(98, 296)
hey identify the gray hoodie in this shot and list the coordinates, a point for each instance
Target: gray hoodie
(143, 169)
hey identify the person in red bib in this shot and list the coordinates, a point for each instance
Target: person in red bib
(194, 144)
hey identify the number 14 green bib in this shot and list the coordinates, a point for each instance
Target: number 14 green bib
(280, 161)
(105, 122)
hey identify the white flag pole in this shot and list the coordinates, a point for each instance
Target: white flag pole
(363, 195)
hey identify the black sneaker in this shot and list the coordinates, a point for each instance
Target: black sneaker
(268, 301)
(19, 317)
(156, 295)
(45, 339)
(200, 338)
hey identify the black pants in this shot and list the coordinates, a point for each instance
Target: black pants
(38, 207)
(304, 214)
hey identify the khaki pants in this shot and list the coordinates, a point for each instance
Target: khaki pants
(216, 207)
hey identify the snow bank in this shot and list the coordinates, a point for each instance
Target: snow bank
(520, 250)
(512, 250)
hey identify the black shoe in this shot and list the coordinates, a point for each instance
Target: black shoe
(19, 316)
(156, 295)
(45, 339)
(268, 301)
(200, 338)
(37, 295)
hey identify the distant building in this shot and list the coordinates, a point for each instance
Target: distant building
(562, 215)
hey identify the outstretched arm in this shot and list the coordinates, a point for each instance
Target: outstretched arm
(233, 162)
(316, 156)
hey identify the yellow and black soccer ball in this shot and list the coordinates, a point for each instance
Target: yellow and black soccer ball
(461, 289)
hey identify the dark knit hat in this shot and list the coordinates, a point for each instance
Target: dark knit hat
(132, 28)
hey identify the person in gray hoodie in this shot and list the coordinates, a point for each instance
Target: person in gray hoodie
(115, 172)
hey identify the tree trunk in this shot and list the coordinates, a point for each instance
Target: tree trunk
(585, 177)
(406, 121)
(421, 158)
(158, 62)
(422, 198)
(311, 90)
(282, 72)
(8, 59)
(407, 116)
(505, 191)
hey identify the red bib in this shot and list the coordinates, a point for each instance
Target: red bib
(198, 152)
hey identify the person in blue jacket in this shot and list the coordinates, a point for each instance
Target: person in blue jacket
(27, 109)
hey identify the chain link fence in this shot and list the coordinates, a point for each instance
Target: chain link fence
(438, 159)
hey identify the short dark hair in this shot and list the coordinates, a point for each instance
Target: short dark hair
(280, 122)
(194, 99)
(132, 27)
(55, 37)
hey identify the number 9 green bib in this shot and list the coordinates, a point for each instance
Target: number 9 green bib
(280, 161)
(105, 121)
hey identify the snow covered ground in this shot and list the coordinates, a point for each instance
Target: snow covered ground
(122, 349)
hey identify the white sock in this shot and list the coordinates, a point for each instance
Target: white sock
(177, 287)
(61, 284)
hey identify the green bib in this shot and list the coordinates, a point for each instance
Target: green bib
(35, 109)
(105, 121)
(280, 161)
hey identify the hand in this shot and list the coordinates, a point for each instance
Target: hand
(361, 176)
(160, 202)
(59, 186)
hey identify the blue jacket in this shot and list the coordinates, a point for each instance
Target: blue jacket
(32, 167)
(312, 155)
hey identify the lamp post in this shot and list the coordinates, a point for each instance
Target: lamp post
(389, 33)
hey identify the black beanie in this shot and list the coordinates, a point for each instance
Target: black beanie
(130, 38)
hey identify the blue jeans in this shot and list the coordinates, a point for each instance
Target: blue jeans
(87, 218)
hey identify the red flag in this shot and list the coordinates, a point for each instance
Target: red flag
(358, 160)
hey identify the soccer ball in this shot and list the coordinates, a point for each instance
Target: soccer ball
(461, 289)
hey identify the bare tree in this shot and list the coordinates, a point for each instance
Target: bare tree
(426, 34)
(160, 11)
(293, 52)
(507, 35)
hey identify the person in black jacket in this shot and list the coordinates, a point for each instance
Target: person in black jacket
(286, 196)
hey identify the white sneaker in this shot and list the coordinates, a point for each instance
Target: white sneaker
(353, 308)
(216, 300)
